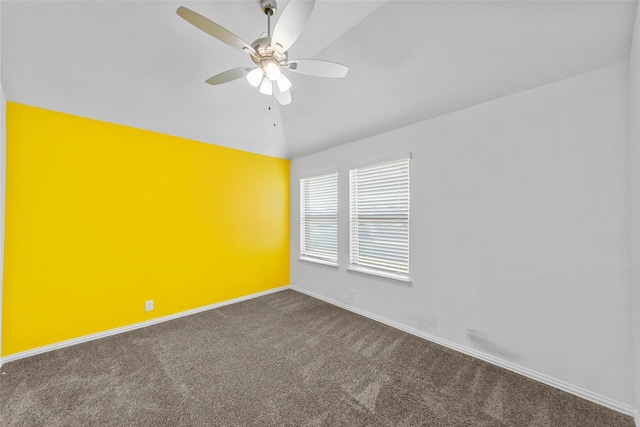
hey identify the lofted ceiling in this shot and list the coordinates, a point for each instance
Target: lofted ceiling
(139, 64)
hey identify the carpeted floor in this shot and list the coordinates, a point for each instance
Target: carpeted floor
(283, 359)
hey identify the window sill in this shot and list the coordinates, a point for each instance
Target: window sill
(319, 262)
(375, 274)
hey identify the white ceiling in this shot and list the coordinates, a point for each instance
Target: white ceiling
(139, 64)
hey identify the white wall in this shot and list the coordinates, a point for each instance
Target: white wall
(634, 138)
(519, 231)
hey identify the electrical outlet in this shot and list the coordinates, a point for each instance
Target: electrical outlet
(148, 305)
(352, 295)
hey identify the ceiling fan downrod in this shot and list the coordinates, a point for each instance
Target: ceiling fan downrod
(268, 7)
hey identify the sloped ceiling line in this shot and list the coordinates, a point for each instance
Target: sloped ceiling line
(137, 63)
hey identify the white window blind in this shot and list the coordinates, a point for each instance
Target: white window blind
(379, 218)
(319, 218)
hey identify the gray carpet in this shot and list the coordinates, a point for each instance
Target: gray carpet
(281, 359)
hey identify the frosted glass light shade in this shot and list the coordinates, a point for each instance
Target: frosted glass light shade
(283, 83)
(272, 71)
(266, 87)
(284, 98)
(255, 76)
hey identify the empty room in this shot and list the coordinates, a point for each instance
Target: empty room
(330, 212)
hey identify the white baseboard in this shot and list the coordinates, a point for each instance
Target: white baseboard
(74, 341)
(569, 388)
(577, 391)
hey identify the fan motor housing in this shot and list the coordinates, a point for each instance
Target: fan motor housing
(264, 52)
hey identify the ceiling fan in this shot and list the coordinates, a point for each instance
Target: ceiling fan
(269, 52)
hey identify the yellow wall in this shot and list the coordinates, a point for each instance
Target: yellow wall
(102, 217)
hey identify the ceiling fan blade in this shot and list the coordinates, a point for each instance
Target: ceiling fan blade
(291, 23)
(317, 68)
(229, 75)
(214, 29)
(284, 98)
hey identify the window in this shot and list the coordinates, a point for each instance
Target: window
(379, 219)
(319, 218)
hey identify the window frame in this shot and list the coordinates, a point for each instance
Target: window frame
(400, 275)
(306, 254)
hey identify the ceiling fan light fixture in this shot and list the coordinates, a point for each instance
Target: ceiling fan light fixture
(272, 71)
(269, 51)
(266, 87)
(255, 76)
(284, 84)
